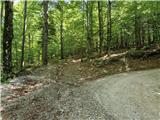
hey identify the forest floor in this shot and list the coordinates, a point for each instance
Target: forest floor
(63, 90)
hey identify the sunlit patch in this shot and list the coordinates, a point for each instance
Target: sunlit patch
(105, 57)
(158, 93)
(76, 61)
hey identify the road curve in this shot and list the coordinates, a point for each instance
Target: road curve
(130, 96)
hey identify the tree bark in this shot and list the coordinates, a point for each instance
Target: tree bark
(7, 38)
(91, 25)
(16, 52)
(100, 16)
(143, 35)
(89, 14)
(45, 34)
(29, 48)
(32, 55)
(148, 34)
(61, 33)
(23, 36)
(109, 26)
(2, 4)
(137, 27)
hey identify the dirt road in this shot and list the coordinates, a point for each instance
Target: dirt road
(126, 96)
(130, 96)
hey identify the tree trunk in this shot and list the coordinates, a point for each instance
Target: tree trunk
(29, 48)
(87, 27)
(23, 36)
(89, 14)
(91, 25)
(45, 34)
(109, 26)
(158, 21)
(39, 55)
(100, 26)
(142, 36)
(84, 25)
(122, 39)
(154, 31)
(137, 27)
(61, 34)
(2, 4)
(16, 53)
(32, 55)
(7, 38)
(148, 34)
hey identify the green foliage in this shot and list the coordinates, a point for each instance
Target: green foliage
(4, 78)
(74, 17)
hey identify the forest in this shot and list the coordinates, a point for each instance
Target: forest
(80, 59)
(34, 32)
(42, 30)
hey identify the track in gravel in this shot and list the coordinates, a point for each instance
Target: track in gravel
(126, 96)
(130, 96)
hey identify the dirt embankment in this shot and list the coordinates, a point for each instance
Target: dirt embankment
(58, 91)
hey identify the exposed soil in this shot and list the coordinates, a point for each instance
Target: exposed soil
(50, 90)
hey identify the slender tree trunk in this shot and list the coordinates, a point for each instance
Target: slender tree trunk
(45, 34)
(16, 53)
(2, 4)
(109, 26)
(122, 39)
(84, 28)
(23, 36)
(29, 48)
(100, 26)
(139, 32)
(91, 25)
(137, 27)
(87, 27)
(89, 14)
(119, 39)
(39, 54)
(32, 56)
(154, 32)
(117, 42)
(148, 34)
(61, 34)
(7, 38)
(143, 35)
(158, 21)
(136, 24)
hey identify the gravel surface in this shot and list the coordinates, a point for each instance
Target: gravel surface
(130, 96)
(127, 96)
(54, 102)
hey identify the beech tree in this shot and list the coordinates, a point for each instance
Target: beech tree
(24, 32)
(89, 15)
(45, 34)
(61, 32)
(100, 16)
(8, 37)
(109, 26)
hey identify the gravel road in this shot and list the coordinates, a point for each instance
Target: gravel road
(130, 96)
(126, 96)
